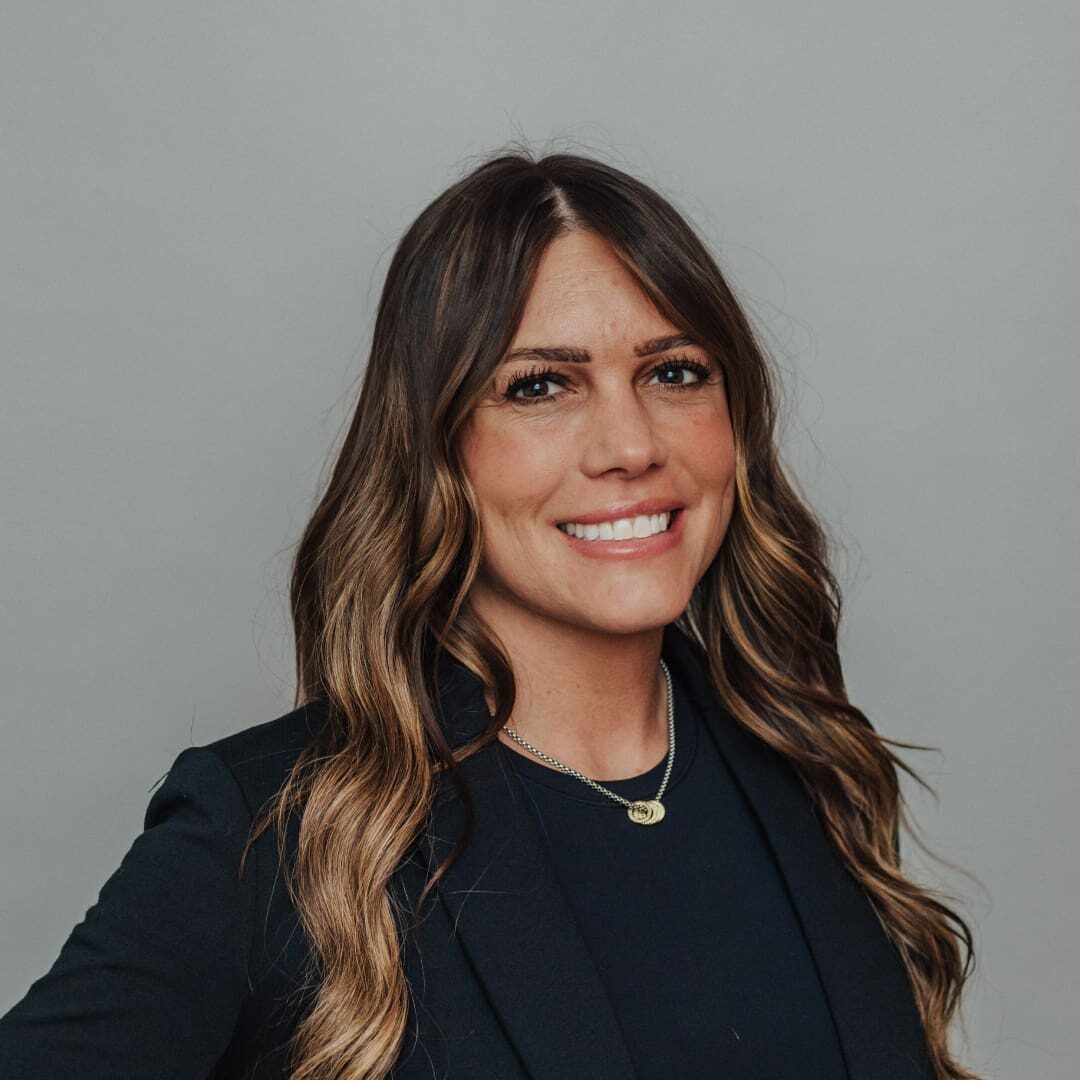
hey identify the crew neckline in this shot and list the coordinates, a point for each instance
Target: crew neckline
(642, 786)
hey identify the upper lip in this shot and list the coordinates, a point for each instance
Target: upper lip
(623, 510)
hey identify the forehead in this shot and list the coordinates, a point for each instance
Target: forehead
(583, 290)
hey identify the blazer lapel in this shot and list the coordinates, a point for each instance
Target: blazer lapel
(522, 940)
(509, 914)
(863, 977)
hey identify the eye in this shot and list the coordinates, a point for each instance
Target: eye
(682, 363)
(529, 381)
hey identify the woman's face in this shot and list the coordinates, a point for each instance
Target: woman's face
(608, 443)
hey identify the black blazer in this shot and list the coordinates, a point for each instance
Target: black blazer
(182, 971)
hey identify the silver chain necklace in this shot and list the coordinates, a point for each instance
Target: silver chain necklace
(641, 811)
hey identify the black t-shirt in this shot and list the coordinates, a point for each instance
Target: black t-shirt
(688, 920)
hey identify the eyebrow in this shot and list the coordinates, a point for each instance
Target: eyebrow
(568, 354)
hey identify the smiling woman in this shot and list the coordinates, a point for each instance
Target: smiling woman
(558, 587)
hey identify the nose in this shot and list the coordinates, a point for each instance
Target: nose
(621, 434)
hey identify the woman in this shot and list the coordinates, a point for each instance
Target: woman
(573, 787)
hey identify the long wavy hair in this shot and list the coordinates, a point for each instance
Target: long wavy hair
(382, 574)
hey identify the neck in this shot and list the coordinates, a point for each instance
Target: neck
(595, 703)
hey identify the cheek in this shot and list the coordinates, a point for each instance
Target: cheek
(708, 446)
(514, 471)
(710, 455)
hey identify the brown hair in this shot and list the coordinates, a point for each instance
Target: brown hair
(387, 560)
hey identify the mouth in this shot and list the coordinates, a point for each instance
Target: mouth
(622, 530)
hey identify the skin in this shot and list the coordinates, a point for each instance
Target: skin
(584, 634)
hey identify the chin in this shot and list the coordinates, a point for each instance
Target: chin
(635, 619)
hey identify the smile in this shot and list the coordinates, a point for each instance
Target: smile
(629, 528)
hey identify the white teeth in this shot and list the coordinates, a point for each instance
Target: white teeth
(636, 528)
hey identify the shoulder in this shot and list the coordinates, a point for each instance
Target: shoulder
(257, 759)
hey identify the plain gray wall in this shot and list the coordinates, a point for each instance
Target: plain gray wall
(199, 203)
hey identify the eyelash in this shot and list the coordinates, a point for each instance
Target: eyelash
(675, 363)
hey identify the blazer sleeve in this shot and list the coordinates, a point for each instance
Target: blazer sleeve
(151, 982)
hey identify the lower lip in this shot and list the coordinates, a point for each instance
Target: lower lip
(629, 549)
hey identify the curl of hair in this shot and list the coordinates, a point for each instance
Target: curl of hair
(385, 564)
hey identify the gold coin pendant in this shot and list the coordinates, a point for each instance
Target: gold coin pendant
(645, 812)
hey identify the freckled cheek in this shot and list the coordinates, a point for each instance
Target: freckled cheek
(709, 441)
(724, 476)
(522, 481)
(712, 461)
(724, 455)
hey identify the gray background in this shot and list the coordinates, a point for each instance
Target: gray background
(199, 203)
